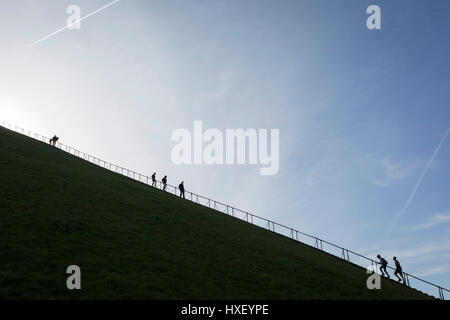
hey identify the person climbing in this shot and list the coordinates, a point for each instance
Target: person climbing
(383, 263)
(54, 140)
(164, 181)
(181, 187)
(154, 179)
(398, 269)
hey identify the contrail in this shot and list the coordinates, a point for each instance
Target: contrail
(413, 193)
(78, 20)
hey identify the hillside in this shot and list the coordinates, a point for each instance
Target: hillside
(133, 241)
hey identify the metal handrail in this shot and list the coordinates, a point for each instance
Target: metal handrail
(215, 205)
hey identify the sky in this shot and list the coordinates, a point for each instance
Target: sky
(363, 115)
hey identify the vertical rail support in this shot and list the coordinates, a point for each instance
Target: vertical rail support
(215, 207)
(407, 279)
(246, 216)
(232, 212)
(441, 293)
(197, 197)
(348, 257)
(296, 235)
(209, 203)
(318, 244)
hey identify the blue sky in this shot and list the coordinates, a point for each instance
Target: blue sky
(360, 111)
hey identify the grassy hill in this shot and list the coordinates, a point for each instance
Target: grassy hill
(133, 241)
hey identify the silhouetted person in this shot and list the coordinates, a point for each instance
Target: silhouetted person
(164, 181)
(398, 269)
(54, 140)
(154, 179)
(383, 263)
(181, 187)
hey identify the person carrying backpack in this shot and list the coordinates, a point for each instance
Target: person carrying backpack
(384, 264)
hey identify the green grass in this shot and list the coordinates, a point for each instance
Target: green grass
(135, 242)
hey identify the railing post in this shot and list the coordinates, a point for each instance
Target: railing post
(441, 293)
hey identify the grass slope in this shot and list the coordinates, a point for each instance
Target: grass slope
(132, 241)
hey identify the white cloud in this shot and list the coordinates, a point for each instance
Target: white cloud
(434, 270)
(381, 182)
(412, 252)
(436, 220)
(394, 171)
